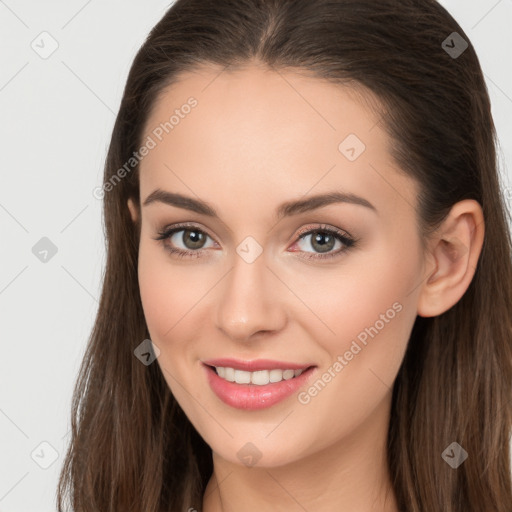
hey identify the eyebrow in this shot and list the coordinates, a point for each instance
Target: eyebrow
(286, 209)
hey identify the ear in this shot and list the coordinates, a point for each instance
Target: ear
(134, 210)
(453, 256)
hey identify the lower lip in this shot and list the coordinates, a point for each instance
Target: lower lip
(253, 396)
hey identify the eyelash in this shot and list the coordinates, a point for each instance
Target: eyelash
(343, 237)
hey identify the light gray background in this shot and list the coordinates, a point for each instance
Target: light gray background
(56, 120)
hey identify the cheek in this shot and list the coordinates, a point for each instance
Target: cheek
(364, 296)
(174, 298)
(372, 313)
(377, 296)
(159, 305)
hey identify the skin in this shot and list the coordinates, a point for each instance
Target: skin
(257, 138)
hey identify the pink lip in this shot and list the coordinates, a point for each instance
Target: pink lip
(255, 364)
(253, 396)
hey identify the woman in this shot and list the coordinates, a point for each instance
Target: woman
(306, 304)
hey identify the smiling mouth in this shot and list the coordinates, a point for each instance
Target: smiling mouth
(258, 378)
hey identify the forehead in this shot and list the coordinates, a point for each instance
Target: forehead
(274, 134)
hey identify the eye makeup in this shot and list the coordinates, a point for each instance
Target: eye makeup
(320, 232)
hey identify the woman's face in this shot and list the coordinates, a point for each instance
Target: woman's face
(248, 287)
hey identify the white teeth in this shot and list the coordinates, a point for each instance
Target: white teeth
(242, 377)
(260, 378)
(275, 375)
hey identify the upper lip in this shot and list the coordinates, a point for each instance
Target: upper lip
(255, 364)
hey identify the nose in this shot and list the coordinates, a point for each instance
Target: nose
(251, 301)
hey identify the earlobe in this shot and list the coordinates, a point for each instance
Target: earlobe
(134, 211)
(455, 250)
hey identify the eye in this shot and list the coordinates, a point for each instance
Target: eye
(189, 236)
(323, 239)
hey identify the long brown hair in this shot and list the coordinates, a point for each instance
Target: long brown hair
(132, 447)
